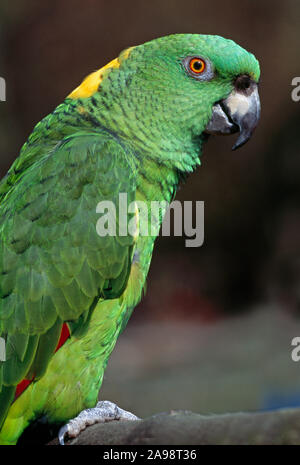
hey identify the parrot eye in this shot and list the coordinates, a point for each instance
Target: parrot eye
(197, 65)
(198, 68)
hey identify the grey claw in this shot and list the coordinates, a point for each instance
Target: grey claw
(61, 435)
(103, 412)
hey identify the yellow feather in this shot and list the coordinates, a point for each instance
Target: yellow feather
(91, 83)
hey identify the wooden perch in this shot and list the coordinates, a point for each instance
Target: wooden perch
(187, 428)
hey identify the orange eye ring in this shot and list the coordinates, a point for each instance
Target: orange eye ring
(197, 65)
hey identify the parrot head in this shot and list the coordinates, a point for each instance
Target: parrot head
(179, 87)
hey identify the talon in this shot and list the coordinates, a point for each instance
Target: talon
(104, 411)
(61, 435)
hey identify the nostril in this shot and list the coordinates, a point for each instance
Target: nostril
(242, 82)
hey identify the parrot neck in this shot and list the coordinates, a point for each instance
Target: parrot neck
(164, 155)
(164, 166)
(158, 139)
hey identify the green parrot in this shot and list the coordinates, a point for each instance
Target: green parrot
(137, 127)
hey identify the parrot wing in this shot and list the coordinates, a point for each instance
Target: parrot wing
(54, 266)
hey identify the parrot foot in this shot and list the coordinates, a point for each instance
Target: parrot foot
(103, 412)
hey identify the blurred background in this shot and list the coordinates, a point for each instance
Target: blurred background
(213, 333)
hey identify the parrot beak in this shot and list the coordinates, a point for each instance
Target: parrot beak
(239, 112)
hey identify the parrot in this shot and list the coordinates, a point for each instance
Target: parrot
(136, 126)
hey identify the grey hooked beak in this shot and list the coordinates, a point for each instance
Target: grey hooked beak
(240, 111)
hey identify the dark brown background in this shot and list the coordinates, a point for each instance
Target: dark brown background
(250, 258)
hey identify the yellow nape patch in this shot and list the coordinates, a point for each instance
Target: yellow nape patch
(91, 83)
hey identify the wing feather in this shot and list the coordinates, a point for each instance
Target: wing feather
(53, 264)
